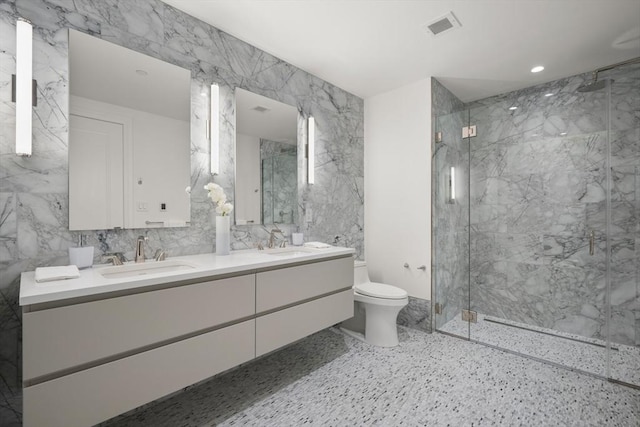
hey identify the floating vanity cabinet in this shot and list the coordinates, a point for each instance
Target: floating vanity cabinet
(85, 363)
(301, 300)
(93, 395)
(72, 336)
(280, 287)
(282, 327)
(91, 355)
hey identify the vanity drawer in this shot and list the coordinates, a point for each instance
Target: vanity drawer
(66, 337)
(277, 329)
(278, 288)
(97, 394)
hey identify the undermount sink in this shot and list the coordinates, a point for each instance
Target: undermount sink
(290, 251)
(142, 269)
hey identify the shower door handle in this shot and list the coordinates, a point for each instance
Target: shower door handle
(592, 242)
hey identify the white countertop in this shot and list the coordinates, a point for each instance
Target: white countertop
(91, 282)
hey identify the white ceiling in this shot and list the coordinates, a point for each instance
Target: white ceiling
(369, 47)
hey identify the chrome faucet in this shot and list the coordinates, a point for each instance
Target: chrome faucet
(140, 248)
(160, 255)
(272, 236)
(115, 259)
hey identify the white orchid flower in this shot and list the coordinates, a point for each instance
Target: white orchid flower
(217, 196)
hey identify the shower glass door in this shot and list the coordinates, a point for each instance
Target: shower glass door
(450, 223)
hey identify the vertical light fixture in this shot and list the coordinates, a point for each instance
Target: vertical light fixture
(23, 84)
(214, 132)
(311, 149)
(452, 185)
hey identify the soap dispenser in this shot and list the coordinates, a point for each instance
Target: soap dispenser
(81, 256)
(297, 239)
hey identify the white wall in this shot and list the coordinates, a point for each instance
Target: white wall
(397, 180)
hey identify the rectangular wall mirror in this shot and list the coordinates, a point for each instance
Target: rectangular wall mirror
(129, 138)
(266, 160)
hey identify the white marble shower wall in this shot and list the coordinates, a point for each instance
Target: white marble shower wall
(538, 188)
(34, 191)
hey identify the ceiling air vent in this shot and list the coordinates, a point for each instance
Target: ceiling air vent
(443, 24)
(260, 108)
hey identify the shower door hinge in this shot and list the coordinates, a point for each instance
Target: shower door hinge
(469, 316)
(469, 131)
(438, 137)
(438, 308)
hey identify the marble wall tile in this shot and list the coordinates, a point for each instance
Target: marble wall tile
(416, 314)
(8, 226)
(555, 218)
(539, 187)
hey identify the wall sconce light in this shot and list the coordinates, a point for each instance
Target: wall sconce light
(214, 129)
(452, 185)
(311, 149)
(24, 87)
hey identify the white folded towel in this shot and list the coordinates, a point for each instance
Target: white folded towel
(316, 245)
(48, 274)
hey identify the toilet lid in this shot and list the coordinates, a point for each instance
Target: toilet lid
(380, 290)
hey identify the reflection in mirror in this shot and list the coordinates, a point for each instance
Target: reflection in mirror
(129, 138)
(266, 160)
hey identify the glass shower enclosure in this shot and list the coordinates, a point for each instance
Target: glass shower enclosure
(535, 222)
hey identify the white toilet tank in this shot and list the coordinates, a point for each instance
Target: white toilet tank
(360, 274)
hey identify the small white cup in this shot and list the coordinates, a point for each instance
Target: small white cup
(81, 257)
(297, 239)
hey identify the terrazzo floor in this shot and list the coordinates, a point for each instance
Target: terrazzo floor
(573, 351)
(330, 379)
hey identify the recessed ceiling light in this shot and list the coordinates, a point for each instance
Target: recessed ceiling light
(548, 94)
(563, 133)
(537, 69)
(203, 93)
(513, 108)
(141, 72)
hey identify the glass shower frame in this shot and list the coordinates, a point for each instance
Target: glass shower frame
(453, 292)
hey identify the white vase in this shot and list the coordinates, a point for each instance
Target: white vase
(223, 234)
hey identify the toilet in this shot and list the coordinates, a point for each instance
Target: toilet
(376, 308)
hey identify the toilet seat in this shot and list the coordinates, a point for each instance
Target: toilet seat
(380, 290)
